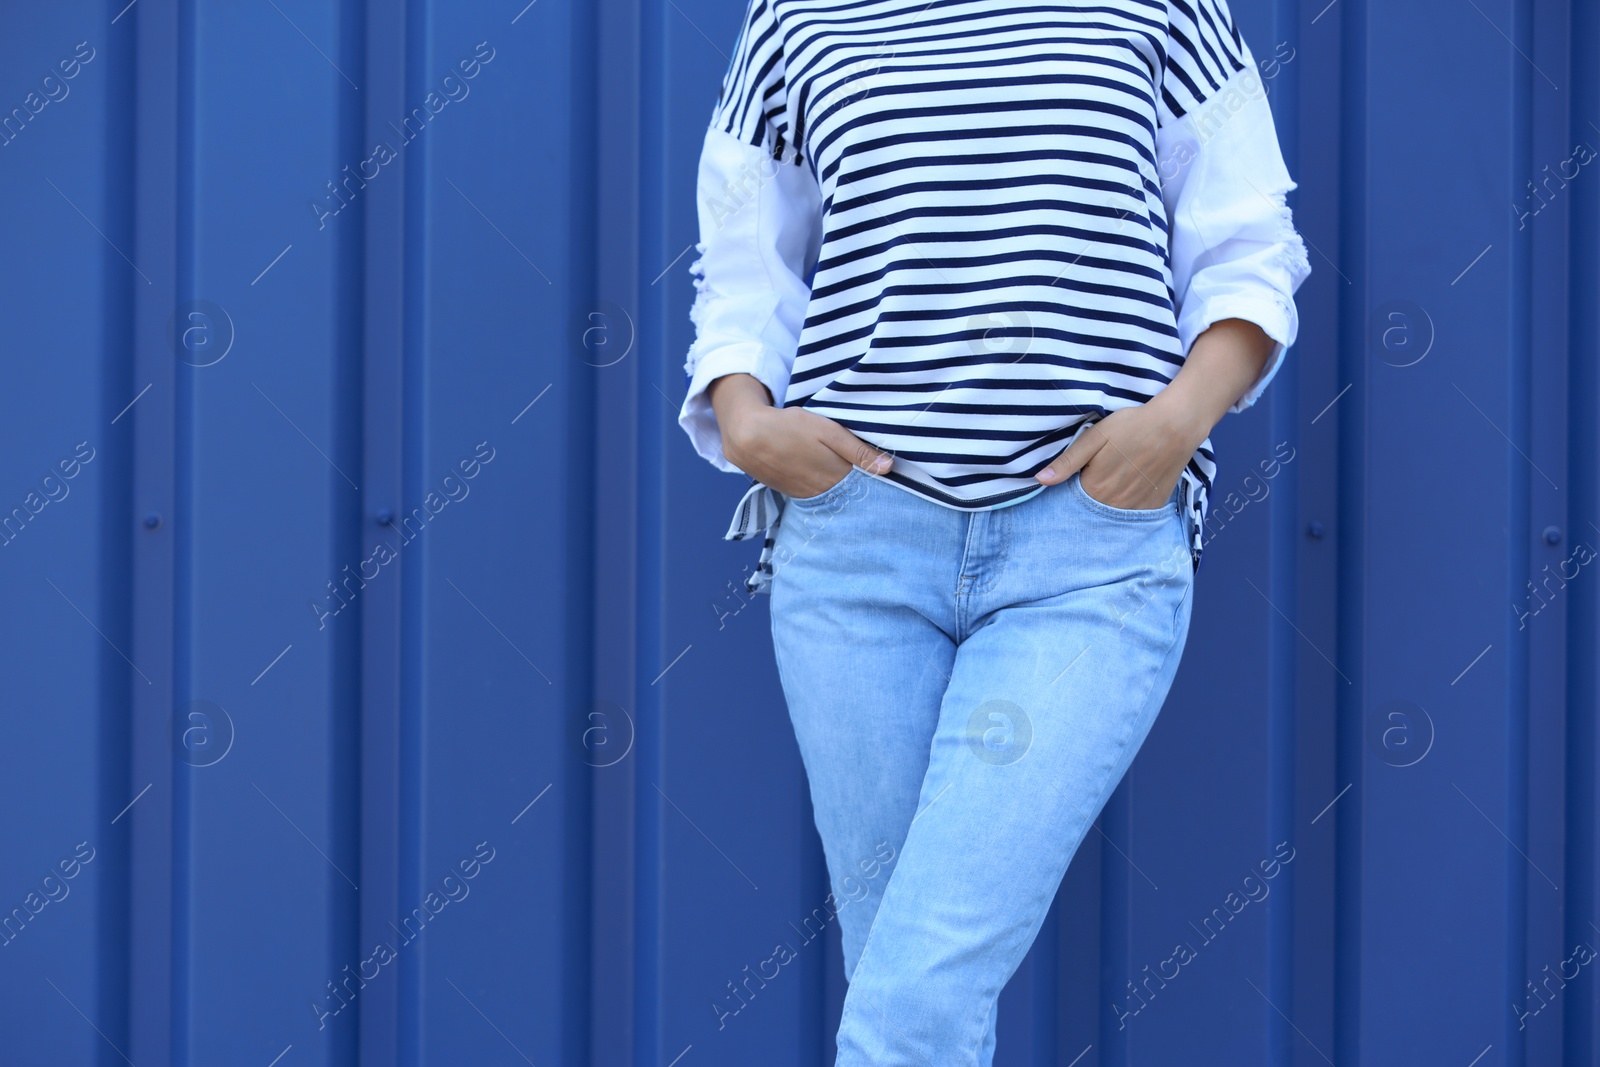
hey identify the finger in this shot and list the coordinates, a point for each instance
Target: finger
(1075, 457)
(854, 450)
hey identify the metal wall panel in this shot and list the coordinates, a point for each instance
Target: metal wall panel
(64, 172)
(379, 673)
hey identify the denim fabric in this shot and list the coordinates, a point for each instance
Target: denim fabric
(968, 687)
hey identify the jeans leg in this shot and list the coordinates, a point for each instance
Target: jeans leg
(864, 664)
(1048, 702)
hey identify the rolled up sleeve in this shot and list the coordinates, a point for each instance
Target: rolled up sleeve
(1235, 252)
(760, 224)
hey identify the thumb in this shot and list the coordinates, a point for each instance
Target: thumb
(1074, 458)
(856, 451)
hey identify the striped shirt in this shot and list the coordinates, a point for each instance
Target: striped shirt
(967, 230)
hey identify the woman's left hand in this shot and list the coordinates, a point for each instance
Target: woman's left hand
(1131, 458)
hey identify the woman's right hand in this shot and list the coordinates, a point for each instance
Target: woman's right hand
(797, 452)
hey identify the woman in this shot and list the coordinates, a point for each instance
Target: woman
(977, 279)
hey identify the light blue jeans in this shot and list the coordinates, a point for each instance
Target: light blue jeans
(969, 688)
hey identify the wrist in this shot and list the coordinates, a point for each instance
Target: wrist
(737, 389)
(1188, 416)
(735, 400)
(1226, 359)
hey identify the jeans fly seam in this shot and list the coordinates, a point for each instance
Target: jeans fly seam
(962, 595)
(1001, 521)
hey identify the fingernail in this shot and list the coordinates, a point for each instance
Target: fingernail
(1048, 472)
(881, 464)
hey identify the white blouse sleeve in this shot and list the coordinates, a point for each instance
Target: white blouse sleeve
(760, 218)
(1234, 249)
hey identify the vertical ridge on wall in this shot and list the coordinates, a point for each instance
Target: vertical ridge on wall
(1581, 921)
(1583, 661)
(346, 738)
(182, 522)
(414, 600)
(1284, 565)
(383, 351)
(601, 539)
(150, 823)
(1543, 910)
(615, 862)
(1355, 246)
(1519, 336)
(650, 851)
(1316, 529)
(115, 531)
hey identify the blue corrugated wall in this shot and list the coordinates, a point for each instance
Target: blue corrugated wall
(376, 686)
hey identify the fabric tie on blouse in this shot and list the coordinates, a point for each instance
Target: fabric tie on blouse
(758, 513)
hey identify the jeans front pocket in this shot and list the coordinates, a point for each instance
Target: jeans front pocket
(829, 494)
(1166, 510)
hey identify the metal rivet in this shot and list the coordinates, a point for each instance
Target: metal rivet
(385, 517)
(1552, 535)
(151, 521)
(1314, 531)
